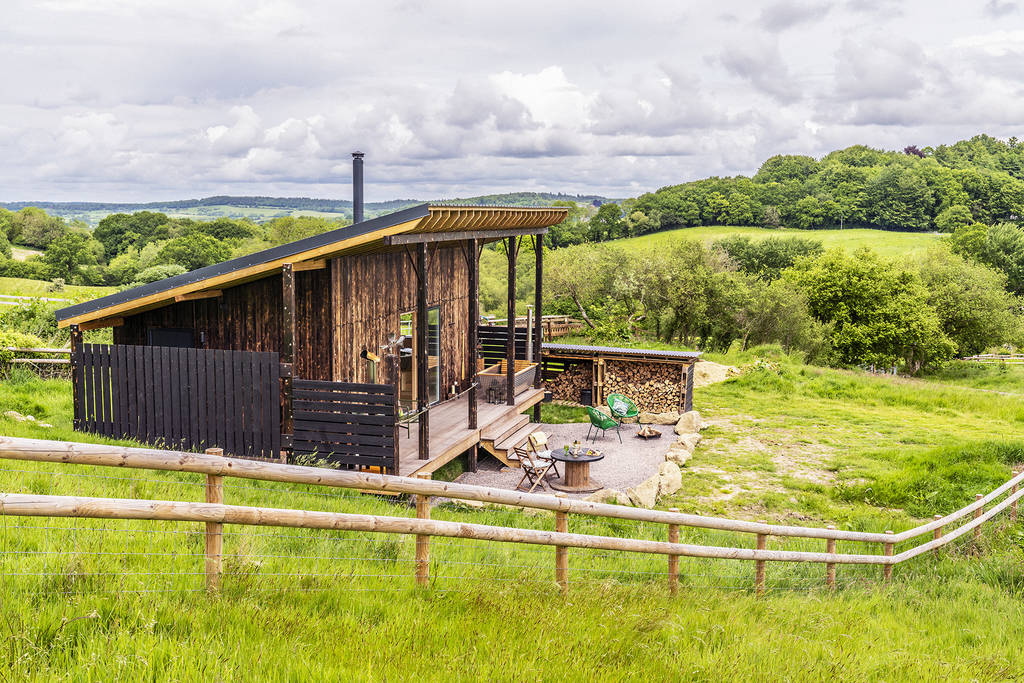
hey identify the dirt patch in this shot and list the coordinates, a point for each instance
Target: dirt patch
(707, 372)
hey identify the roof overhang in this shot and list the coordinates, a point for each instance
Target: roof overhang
(422, 223)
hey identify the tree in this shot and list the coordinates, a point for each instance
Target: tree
(66, 255)
(36, 228)
(572, 230)
(1000, 246)
(193, 251)
(898, 198)
(607, 223)
(973, 306)
(784, 167)
(953, 217)
(582, 274)
(766, 258)
(878, 311)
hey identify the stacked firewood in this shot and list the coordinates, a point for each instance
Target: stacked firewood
(566, 386)
(653, 387)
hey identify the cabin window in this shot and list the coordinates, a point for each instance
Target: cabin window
(407, 353)
(179, 337)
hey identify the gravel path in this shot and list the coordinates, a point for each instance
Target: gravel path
(624, 465)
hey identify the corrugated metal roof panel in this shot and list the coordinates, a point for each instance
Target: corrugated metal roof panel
(620, 351)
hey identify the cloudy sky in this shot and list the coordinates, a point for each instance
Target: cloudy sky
(144, 100)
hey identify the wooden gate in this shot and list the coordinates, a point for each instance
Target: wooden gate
(188, 399)
(350, 424)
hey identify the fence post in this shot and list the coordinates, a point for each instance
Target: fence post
(76, 363)
(978, 513)
(936, 535)
(1013, 505)
(830, 567)
(887, 568)
(760, 565)
(673, 560)
(561, 552)
(422, 540)
(214, 530)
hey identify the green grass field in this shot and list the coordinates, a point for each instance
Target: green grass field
(23, 287)
(22, 253)
(788, 443)
(885, 242)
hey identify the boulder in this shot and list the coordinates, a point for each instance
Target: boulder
(15, 415)
(689, 423)
(690, 441)
(678, 453)
(645, 494)
(613, 496)
(669, 418)
(670, 478)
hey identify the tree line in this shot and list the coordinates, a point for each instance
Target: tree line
(129, 249)
(838, 308)
(928, 189)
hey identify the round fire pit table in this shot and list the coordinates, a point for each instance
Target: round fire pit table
(577, 472)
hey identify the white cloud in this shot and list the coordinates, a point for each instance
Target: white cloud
(118, 100)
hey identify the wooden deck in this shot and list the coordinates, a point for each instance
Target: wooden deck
(449, 434)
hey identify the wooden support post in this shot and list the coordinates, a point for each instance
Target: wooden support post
(214, 530)
(887, 568)
(561, 552)
(287, 353)
(473, 256)
(830, 567)
(422, 540)
(978, 513)
(538, 304)
(510, 343)
(422, 359)
(936, 535)
(673, 560)
(76, 365)
(1013, 505)
(760, 566)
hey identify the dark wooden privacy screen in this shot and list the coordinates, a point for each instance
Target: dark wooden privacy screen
(190, 399)
(347, 423)
(493, 340)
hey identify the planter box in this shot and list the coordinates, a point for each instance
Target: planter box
(493, 375)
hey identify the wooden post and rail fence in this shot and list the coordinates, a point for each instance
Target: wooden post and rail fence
(215, 513)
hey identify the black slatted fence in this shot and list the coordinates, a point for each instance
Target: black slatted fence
(353, 425)
(188, 399)
(492, 341)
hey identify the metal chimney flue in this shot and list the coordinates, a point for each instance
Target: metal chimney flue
(357, 187)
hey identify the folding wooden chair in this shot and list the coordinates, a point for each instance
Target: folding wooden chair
(534, 469)
(539, 445)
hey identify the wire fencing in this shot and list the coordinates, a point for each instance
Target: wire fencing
(68, 555)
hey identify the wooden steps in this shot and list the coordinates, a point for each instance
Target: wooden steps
(510, 433)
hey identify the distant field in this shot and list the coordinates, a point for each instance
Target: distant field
(257, 214)
(884, 242)
(22, 287)
(22, 253)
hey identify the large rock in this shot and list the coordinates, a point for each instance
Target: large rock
(670, 479)
(613, 496)
(669, 418)
(645, 494)
(689, 423)
(678, 453)
(690, 441)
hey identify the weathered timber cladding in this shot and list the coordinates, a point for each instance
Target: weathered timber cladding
(177, 398)
(249, 318)
(374, 289)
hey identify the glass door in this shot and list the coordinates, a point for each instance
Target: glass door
(407, 391)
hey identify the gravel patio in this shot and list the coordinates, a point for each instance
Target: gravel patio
(624, 465)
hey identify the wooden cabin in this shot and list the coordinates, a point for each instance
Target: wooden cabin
(390, 302)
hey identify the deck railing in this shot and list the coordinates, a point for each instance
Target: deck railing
(216, 513)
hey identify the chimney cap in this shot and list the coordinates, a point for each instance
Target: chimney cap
(357, 155)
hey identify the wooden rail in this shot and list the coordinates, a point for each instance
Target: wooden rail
(215, 512)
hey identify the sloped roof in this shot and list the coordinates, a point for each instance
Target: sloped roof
(362, 236)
